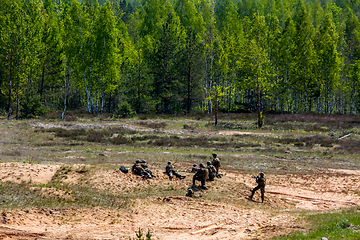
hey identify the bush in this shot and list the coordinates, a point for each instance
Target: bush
(124, 110)
(31, 106)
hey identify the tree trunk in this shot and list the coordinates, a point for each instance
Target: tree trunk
(216, 108)
(83, 63)
(63, 113)
(17, 99)
(10, 87)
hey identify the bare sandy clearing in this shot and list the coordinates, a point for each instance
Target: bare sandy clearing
(176, 217)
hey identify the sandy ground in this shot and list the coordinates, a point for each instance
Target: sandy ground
(179, 217)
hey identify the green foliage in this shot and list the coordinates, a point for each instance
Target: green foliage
(344, 225)
(31, 106)
(172, 57)
(139, 236)
(124, 110)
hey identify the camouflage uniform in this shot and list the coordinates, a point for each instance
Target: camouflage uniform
(212, 171)
(201, 175)
(136, 168)
(261, 181)
(147, 173)
(216, 163)
(195, 168)
(170, 170)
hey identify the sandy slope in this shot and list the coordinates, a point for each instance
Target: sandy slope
(179, 217)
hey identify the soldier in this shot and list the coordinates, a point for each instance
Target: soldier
(170, 170)
(194, 168)
(212, 171)
(191, 193)
(261, 181)
(201, 175)
(147, 173)
(216, 163)
(136, 168)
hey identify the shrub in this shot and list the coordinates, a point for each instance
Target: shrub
(31, 106)
(124, 110)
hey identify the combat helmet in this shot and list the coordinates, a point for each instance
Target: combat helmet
(169, 162)
(143, 161)
(214, 154)
(194, 165)
(137, 161)
(261, 174)
(190, 190)
(208, 163)
(202, 165)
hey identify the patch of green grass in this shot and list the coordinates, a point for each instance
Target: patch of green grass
(13, 196)
(334, 226)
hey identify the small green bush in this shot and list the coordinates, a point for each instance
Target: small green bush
(124, 110)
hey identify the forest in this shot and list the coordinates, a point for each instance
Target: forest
(179, 56)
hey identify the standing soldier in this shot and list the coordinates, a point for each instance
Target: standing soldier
(216, 163)
(212, 171)
(170, 170)
(261, 181)
(201, 175)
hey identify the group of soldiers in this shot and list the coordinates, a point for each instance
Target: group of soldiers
(202, 174)
(142, 169)
(209, 172)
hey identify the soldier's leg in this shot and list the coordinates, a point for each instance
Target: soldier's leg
(211, 177)
(262, 194)
(171, 174)
(150, 172)
(253, 191)
(203, 183)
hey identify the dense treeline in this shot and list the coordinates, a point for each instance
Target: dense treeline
(158, 56)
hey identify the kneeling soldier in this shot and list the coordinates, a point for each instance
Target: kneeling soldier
(201, 175)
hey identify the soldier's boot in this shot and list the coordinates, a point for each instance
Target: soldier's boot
(204, 187)
(262, 199)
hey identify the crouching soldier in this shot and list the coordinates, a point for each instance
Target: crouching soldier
(191, 193)
(201, 175)
(147, 173)
(212, 171)
(261, 181)
(171, 171)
